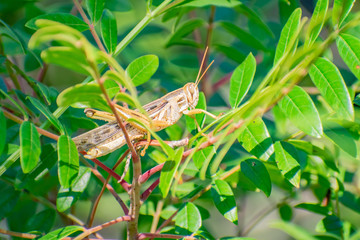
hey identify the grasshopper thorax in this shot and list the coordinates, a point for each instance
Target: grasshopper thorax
(191, 91)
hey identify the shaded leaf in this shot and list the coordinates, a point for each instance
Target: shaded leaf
(109, 30)
(301, 111)
(2, 131)
(68, 161)
(341, 137)
(184, 30)
(42, 221)
(256, 139)
(241, 80)
(141, 69)
(224, 200)
(95, 9)
(243, 36)
(188, 219)
(64, 18)
(256, 171)
(288, 35)
(44, 110)
(29, 146)
(327, 78)
(315, 208)
(230, 52)
(68, 196)
(287, 159)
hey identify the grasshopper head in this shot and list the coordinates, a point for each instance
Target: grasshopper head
(192, 94)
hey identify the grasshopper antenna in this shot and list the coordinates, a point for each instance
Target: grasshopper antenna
(201, 66)
(197, 82)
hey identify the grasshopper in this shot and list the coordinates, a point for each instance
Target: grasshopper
(162, 113)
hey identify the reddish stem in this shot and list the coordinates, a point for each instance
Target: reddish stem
(148, 191)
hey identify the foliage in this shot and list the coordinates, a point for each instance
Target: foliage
(287, 118)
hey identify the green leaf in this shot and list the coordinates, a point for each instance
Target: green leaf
(341, 10)
(351, 201)
(141, 69)
(288, 35)
(22, 110)
(168, 172)
(331, 225)
(82, 96)
(301, 111)
(109, 31)
(341, 137)
(188, 219)
(294, 231)
(126, 98)
(68, 196)
(184, 30)
(287, 159)
(256, 139)
(200, 118)
(315, 208)
(256, 171)
(42, 221)
(68, 161)
(44, 110)
(95, 8)
(68, 57)
(243, 36)
(327, 78)
(224, 200)
(285, 212)
(200, 156)
(14, 36)
(241, 80)
(64, 18)
(9, 161)
(218, 3)
(2, 131)
(61, 233)
(317, 21)
(349, 49)
(29, 146)
(230, 52)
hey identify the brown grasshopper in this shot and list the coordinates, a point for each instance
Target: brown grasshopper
(162, 113)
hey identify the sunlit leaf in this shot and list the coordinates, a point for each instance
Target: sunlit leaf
(29, 146)
(288, 35)
(68, 196)
(287, 159)
(301, 111)
(256, 139)
(68, 161)
(332, 87)
(341, 137)
(200, 156)
(224, 200)
(64, 18)
(61, 232)
(141, 69)
(188, 219)
(341, 10)
(317, 21)
(294, 231)
(241, 80)
(349, 49)
(168, 172)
